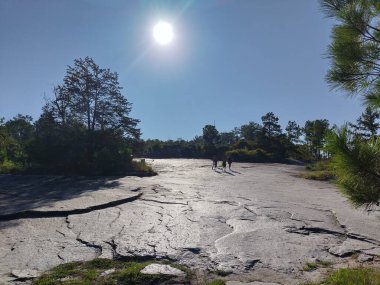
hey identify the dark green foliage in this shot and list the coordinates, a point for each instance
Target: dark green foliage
(84, 129)
(228, 138)
(243, 155)
(293, 132)
(367, 125)
(357, 165)
(250, 142)
(15, 135)
(64, 149)
(271, 127)
(251, 131)
(20, 128)
(172, 149)
(315, 132)
(91, 96)
(210, 139)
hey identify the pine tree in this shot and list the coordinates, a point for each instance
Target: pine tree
(271, 127)
(357, 166)
(355, 68)
(367, 125)
(293, 132)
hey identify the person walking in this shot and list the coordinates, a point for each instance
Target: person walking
(214, 162)
(229, 160)
(224, 164)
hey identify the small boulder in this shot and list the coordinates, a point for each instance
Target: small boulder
(365, 257)
(341, 251)
(25, 273)
(164, 269)
(107, 272)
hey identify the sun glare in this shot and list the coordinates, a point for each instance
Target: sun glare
(163, 33)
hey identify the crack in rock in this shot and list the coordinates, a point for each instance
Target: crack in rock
(317, 230)
(195, 250)
(113, 245)
(117, 217)
(98, 249)
(60, 257)
(164, 202)
(35, 214)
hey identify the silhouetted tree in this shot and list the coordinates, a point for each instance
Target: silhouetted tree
(92, 96)
(227, 138)
(271, 127)
(86, 127)
(210, 139)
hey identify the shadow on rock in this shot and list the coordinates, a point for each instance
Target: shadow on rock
(26, 192)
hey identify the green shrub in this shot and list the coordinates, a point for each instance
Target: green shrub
(320, 165)
(244, 155)
(323, 175)
(320, 170)
(357, 166)
(351, 276)
(355, 276)
(310, 266)
(10, 167)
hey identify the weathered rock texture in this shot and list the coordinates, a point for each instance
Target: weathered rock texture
(257, 220)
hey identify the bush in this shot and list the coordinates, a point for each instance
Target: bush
(321, 175)
(243, 155)
(355, 276)
(320, 165)
(319, 170)
(352, 276)
(10, 167)
(141, 168)
(356, 163)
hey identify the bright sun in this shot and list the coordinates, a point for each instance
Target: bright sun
(163, 33)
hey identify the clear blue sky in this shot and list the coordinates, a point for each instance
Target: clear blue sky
(231, 61)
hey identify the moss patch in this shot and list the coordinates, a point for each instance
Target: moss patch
(90, 273)
(352, 276)
(123, 272)
(310, 266)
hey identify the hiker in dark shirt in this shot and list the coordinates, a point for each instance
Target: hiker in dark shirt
(214, 162)
(229, 160)
(224, 164)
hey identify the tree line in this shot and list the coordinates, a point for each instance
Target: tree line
(260, 142)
